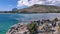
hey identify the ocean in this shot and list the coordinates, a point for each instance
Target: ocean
(7, 20)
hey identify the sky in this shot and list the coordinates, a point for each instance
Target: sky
(6, 5)
(32, 2)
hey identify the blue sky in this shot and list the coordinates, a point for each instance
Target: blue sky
(7, 4)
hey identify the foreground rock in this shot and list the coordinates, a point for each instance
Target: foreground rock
(36, 27)
(18, 29)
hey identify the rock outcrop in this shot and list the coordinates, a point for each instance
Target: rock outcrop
(18, 29)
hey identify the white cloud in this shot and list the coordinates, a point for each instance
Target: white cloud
(32, 2)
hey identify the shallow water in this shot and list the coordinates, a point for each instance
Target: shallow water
(7, 20)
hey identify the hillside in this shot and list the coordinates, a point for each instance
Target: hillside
(36, 9)
(41, 9)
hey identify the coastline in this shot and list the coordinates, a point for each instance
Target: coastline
(21, 28)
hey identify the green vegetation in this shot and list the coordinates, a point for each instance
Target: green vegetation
(32, 28)
(56, 19)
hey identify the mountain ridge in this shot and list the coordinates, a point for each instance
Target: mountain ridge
(41, 9)
(36, 9)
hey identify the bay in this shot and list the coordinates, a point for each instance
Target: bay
(7, 20)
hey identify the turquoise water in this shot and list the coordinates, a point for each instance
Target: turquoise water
(7, 20)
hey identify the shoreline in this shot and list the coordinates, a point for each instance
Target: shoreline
(22, 27)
